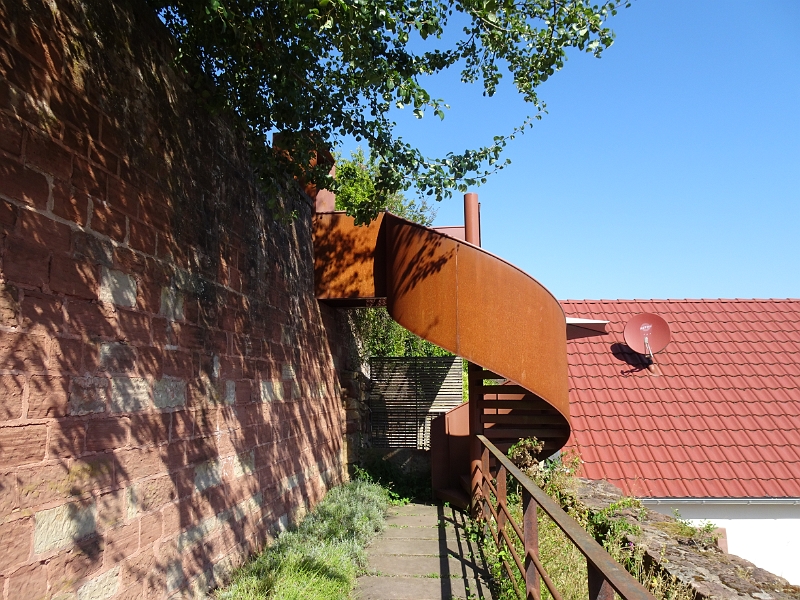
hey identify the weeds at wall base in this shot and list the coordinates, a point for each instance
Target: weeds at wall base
(321, 557)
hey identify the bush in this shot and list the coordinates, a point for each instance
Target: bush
(402, 487)
(564, 563)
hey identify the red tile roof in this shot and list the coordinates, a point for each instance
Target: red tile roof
(723, 419)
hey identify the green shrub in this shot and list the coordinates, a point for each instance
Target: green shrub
(564, 563)
(402, 487)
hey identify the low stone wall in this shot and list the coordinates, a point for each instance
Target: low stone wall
(709, 571)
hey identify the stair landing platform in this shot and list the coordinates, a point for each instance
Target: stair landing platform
(424, 553)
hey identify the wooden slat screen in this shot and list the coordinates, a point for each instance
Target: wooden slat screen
(407, 393)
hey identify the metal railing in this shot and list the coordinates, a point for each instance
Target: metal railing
(605, 575)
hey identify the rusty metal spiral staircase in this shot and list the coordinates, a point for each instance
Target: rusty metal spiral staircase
(474, 304)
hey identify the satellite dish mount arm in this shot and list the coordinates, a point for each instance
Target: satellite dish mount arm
(649, 350)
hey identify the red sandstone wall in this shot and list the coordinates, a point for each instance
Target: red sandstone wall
(167, 392)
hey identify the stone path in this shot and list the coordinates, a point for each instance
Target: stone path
(423, 554)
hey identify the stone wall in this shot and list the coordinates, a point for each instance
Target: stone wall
(168, 398)
(701, 564)
(353, 376)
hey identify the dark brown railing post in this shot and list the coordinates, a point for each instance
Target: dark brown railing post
(485, 477)
(502, 495)
(530, 529)
(599, 587)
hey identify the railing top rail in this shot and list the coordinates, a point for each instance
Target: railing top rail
(622, 581)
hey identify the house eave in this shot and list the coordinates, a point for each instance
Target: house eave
(719, 501)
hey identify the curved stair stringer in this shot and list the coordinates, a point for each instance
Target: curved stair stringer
(481, 308)
(469, 302)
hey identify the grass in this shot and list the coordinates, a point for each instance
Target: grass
(563, 562)
(321, 557)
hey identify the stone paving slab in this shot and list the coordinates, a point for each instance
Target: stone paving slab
(431, 520)
(406, 546)
(394, 588)
(415, 509)
(453, 545)
(416, 533)
(398, 565)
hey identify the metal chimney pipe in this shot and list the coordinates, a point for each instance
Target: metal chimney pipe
(472, 219)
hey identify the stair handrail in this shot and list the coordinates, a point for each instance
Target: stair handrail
(605, 575)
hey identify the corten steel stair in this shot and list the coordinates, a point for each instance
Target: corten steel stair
(472, 303)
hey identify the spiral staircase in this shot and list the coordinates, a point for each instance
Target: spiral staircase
(474, 304)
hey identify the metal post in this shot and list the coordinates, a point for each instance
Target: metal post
(530, 530)
(485, 476)
(472, 219)
(502, 502)
(599, 588)
(472, 234)
(502, 477)
(475, 428)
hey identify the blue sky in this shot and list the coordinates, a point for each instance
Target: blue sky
(670, 168)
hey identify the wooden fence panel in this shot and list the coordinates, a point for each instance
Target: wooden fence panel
(407, 393)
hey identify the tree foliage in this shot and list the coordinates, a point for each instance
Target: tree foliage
(380, 335)
(377, 332)
(356, 181)
(335, 68)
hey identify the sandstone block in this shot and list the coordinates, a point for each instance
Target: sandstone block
(29, 581)
(22, 445)
(244, 464)
(117, 288)
(129, 394)
(117, 358)
(271, 390)
(175, 576)
(287, 372)
(230, 391)
(106, 434)
(93, 248)
(11, 397)
(9, 304)
(171, 304)
(16, 543)
(100, 588)
(63, 525)
(88, 395)
(207, 474)
(169, 393)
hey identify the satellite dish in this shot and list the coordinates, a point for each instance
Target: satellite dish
(647, 334)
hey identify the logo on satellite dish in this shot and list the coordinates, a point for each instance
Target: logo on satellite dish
(646, 327)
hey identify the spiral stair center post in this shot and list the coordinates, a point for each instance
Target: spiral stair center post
(472, 234)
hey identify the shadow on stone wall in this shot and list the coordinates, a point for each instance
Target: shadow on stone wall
(169, 393)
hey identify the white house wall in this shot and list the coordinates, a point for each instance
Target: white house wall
(763, 532)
